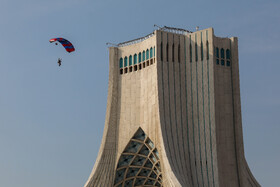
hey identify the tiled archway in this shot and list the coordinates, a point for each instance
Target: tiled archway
(139, 164)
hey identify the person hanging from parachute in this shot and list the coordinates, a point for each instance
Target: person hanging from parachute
(59, 61)
(66, 44)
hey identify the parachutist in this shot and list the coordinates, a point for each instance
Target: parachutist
(59, 61)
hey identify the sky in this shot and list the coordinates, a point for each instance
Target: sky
(52, 118)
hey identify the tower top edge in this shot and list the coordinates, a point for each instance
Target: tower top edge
(173, 30)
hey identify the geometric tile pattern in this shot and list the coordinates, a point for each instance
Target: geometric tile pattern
(139, 163)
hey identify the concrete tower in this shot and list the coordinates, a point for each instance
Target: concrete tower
(173, 114)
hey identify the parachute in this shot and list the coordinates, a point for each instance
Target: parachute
(66, 44)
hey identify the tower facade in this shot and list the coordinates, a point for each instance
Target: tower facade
(173, 114)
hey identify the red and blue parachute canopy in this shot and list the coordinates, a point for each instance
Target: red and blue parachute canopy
(66, 44)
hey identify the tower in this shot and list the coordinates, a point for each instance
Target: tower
(173, 113)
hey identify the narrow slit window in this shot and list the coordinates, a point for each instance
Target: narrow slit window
(228, 54)
(196, 55)
(172, 52)
(222, 53)
(161, 52)
(167, 57)
(121, 62)
(139, 57)
(217, 52)
(207, 49)
(130, 60)
(190, 52)
(135, 59)
(151, 52)
(125, 61)
(228, 63)
(147, 54)
(201, 51)
(144, 55)
(179, 53)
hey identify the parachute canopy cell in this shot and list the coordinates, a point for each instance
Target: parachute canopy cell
(66, 44)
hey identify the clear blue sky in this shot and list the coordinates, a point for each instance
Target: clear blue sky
(52, 118)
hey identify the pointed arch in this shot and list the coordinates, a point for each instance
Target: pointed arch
(139, 164)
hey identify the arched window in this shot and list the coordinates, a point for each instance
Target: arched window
(121, 62)
(179, 53)
(144, 55)
(151, 52)
(139, 57)
(201, 51)
(172, 52)
(135, 59)
(167, 57)
(130, 60)
(217, 52)
(147, 54)
(125, 61)
(228, 54)
(154, 51)
(222, 53)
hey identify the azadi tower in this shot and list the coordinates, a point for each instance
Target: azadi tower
(173, 114)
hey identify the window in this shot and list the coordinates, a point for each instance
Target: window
(125, 61)
(196, 56)
(217, 52)
(139, 57)
(222, 62)
(222, 53)
(190, 52)
(179, 53)
(135, 59)
(228, 63)
(151, 52)
(217, 61)
(144, 55)
(201, 51)
(228, 54)
(172, 52)
(130, 60)
(167, 57)
(161, 52)
(207, 48)
(154, 51)
(121, 62)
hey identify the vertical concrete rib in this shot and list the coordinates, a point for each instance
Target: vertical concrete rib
(192, 114)
(187, 111)
(198, 108)
(177, 103)
(209, 107)
(180, 102)
(169, 115)
(203, 95)
(167, 140)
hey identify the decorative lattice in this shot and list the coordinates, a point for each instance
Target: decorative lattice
(139, 163)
